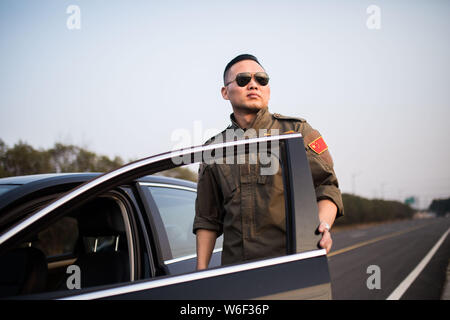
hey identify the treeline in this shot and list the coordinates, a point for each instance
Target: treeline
(361, 210)
(23, 159)
(440, 206)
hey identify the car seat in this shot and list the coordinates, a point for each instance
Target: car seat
(23, 271)
(103, 218)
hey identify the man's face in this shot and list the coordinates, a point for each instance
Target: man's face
(253, 96)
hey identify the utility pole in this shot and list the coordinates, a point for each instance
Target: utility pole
(354, 175)
(382, 189)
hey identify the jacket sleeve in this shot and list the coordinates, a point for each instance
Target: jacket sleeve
(324, 178)
(208, 212)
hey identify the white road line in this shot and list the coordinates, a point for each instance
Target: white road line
(401, 289)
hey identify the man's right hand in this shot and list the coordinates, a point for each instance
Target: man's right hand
(206, 240)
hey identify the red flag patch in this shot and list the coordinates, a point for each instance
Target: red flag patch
(318, 145)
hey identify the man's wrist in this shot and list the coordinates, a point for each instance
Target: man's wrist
(326, 226)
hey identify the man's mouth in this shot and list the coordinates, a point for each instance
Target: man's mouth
(253, 95)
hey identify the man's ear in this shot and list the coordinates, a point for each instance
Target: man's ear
(224, 92)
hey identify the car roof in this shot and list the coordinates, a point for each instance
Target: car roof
(33, 183)
(85, 176)
(36, 177)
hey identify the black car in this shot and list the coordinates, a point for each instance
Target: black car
(127, 234)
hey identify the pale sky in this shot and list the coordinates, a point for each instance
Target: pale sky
(137, 72)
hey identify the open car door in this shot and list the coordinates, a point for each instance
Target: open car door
(301, 274)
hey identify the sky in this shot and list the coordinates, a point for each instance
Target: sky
(124, 78)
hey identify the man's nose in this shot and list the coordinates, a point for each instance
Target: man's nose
(253, 84)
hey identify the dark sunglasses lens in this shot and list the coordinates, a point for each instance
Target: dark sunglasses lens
(243, 79)
(262, 78)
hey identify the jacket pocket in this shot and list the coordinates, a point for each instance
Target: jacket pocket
(228, 180)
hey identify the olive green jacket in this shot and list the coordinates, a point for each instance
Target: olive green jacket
(248, 207)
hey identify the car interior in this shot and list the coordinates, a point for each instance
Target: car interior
(92, 237)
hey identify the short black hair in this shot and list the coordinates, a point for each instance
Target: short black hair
(239, 58)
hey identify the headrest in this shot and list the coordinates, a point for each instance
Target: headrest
(101, 217)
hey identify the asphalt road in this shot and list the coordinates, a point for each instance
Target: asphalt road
(397, 249)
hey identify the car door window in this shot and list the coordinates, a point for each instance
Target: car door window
(177, 208)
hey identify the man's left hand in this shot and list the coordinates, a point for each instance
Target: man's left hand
(327, 214)
(326, 241)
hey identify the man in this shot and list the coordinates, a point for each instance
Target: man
(236, 200)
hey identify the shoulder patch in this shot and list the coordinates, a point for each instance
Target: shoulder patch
(318, 145)
(281, 117)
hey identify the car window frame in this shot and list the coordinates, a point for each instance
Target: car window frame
(146, 259)
(153, 214)
(128, 215)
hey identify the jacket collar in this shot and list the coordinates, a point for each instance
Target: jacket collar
(262, 120)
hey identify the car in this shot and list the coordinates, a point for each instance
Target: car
(127, 234)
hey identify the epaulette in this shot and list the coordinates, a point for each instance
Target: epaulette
(281, 117)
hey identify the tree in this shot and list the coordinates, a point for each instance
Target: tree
(105, 164)
(362, 210)
(86, 161)
(3, 148)
(180, 173)
(440, 206)
(23, 159)
(63, 158)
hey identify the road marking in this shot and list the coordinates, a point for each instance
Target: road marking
(361, 244)
(400, 290)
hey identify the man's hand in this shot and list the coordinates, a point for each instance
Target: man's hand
(327, 214)
(326, 241)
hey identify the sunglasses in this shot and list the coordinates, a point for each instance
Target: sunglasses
(242, 79)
